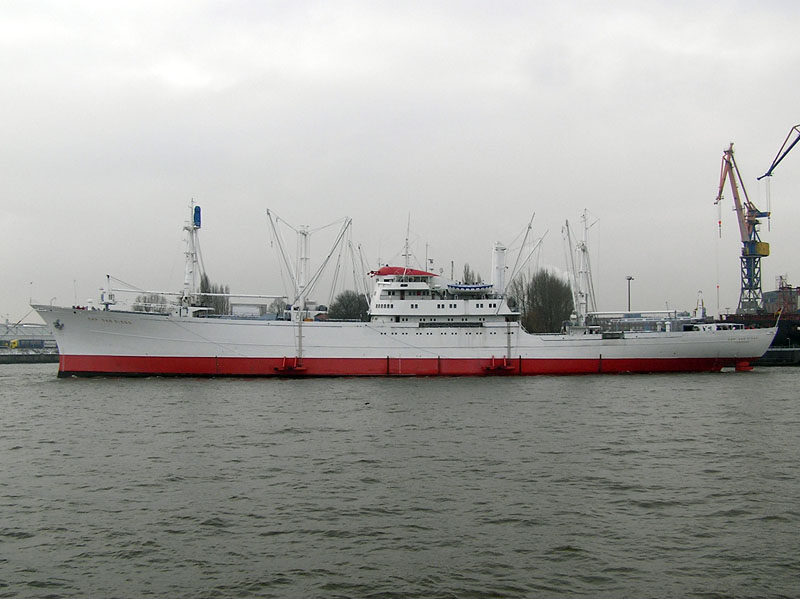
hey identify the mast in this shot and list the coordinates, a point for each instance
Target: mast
(303, 248)
(299, 273)
(407, 251)
(499, 269)
(302, 282)
(107, 297)
(577, 300)
(191, 226)
(580, 271)
(587, 283)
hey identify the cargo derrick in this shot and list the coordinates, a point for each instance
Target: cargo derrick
(753, 249)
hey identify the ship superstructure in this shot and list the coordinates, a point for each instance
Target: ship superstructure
(425, 300)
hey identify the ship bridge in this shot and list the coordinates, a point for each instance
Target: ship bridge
(415, 296)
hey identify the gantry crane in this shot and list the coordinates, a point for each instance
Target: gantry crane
(782, 152)
(753, 249)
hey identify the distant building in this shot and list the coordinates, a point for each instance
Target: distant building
(26, 336)
(785, 298)
(252, 308)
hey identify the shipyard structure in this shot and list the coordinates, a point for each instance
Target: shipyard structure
(757, 308)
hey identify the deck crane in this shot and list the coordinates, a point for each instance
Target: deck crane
(753, 249)
(783, 151)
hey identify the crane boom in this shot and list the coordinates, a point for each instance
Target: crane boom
(730, 171)
(747, 213)
(783, 152)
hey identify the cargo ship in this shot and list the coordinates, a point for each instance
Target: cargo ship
(418, 324)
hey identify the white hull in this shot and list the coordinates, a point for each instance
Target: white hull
(138, 343)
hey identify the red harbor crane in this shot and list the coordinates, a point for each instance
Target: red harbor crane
(753, 249)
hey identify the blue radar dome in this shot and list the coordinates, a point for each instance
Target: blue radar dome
(197, 217)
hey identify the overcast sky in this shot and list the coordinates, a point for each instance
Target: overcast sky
(466, 117)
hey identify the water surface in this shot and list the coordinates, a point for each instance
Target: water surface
(611, 486)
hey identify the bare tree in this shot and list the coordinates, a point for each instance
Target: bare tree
(349, 305)
(276, 307)
(219, 304)
(544, 301)
(471, 277)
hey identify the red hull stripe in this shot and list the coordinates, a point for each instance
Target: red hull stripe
(290, 366)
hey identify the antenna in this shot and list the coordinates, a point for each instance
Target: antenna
(407, 252)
